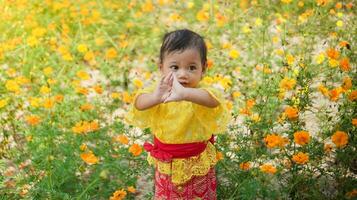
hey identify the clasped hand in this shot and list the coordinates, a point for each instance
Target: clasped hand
(169, 89)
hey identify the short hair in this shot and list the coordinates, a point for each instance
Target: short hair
(180, 40)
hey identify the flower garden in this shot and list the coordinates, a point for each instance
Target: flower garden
(70, 69)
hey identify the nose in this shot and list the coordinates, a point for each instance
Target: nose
(182, 74)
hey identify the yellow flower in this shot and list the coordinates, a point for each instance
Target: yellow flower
(83, 147)
(115, 95)
(82, 48)
(34, 102)
(45, 90)
(268, 168)
(135, 149)
(47, 71)
(138, 83)
(290, 59)
(88, 56)
(340, 139)
(33, 120)
(118, 195)
(301, 137)
(339, 23)
(126, 98)
(89, 158)
(12, 86)
(333, 62)
(287, 83)
(48, 103)
(3, 103)
(83, 75)
(300, 158)
(110, 53)
(286, 1)
(320, 58)
(148, 6)
(234, 54)
(202, 16)
(123, 139)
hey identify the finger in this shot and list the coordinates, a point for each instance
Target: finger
(167, 78)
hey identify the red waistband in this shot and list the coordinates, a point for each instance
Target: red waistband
(166, 152)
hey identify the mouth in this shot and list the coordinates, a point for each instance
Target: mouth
(183, 83)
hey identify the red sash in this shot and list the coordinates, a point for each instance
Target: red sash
(166, 152)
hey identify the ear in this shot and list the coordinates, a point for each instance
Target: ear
(160, 66)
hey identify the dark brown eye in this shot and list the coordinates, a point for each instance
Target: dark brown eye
(174, 67)
(193, 68)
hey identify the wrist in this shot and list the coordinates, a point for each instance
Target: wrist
(186, 94)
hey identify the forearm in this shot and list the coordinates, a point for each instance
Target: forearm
(145, 101)
(201, 97)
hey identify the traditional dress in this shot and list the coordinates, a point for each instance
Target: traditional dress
(183, 152)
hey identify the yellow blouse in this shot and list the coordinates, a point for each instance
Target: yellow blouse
(183, 122)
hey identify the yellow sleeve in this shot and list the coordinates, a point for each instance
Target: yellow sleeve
(141, 118)
(215, 120)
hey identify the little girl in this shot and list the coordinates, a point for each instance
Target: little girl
(183, 115)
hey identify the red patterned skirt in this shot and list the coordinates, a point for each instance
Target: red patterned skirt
(199, 187)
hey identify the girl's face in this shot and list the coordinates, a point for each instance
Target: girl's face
(185, 65)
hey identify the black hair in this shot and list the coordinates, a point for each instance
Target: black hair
(180, 40)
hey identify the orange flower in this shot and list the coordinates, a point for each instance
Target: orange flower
(347, 83)
(274, 140)
(98, 89)
(33, 120)
(345, 64)
(135, 149)
(250, 103)
(82, 90)
(301, 137)
(122, 139)
(58, 98)
(301, 158)
(244, 166)
(335, 93)
(291, 112)
(332, 53)
(351, 194)
(118, 195)
(354, 122)
(86, 106)
(89, 158)
(327, 148)
(340, 139)
(219, 155)
(131, 189)
(209, 64)
(353, 95)
(268, 168)
(344, 44)
(323, 90)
